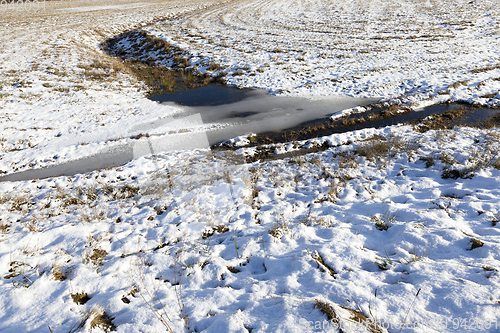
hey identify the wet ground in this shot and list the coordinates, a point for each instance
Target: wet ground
(274, 119)
(439, 116)
(254, 110)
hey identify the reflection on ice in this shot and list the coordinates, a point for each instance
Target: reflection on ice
(115, 156)
(254, 110)
(180, 141)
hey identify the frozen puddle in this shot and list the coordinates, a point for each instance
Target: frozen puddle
(254, 110)
(246, 110)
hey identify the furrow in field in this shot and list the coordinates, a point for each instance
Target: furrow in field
(327, 47)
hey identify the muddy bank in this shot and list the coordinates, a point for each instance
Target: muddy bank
(168, 71)
(440, 116)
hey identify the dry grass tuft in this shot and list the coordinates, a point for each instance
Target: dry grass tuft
(32, 224)
(86, 316)
(495, 220)
(95, 258)
(321, 264)
(97, 254)
(378, 149)
(4, 198)
(374, 150)
(347, 161)
(279, 229)
(60, 272)
(72, 201)
(18, 203)
(475, 243)
(220, 229)
(4, 228)
(127, 191)
(360, 318)
(455, 174)
(233, 269)
(80, 298)
(326, 309)
(103, 321)
(383, 221)
(429, 161)
(214, 67)
(355, 316)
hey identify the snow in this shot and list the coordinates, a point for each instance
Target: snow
(314, 205)
(92, 8)
(381, 216)
(413, 51)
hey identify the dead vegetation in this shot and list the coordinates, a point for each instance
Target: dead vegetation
(220, 229)
(95, 257)
(80, 298)
(17, 268)
(20, 202)
(72, 201)
(169, 70)
(150, 294)
(445, 120)
(280, 228)
(354, 316)
(380, 149)
(377, 116)
(429, 161)
(103, 69)
(485, 69)
(60, 272)
(475, 243)
(321, 264)
(4, 228)
(480, 157)
(103, 321)
(327, 310)
(100, 319)
(383, 221)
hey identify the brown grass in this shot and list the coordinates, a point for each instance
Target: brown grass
(383, 221)
(444, 120)
(60, 273)
(220, 229)
(429, 161)
(18, 203)
(80, 298)
(151, 71)
(475, 243)
(4, 228)
(485, 69)
(103, 321)
(326, 309)
(355, 316)
(72, 201)
(324, 266)
(97, 254)
(233, 269)
(374, 150)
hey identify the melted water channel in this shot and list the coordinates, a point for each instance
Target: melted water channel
(246, 110)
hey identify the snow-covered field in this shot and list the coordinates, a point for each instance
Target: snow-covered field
(203, 240)
(404, 49)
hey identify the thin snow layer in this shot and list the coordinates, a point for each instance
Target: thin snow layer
(237, 247)
(412, 50)
(61, 97)
(253, 247)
